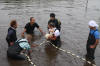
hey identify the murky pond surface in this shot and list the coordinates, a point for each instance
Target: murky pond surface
(74, 15)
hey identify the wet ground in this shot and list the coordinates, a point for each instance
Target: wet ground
(74, 15)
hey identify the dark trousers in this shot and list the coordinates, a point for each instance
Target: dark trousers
(16, 56)
(14, 52)
(56, 42)
(90, 52)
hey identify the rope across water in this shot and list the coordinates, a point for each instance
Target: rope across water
(66, 51)
(69, 52)
(29, 59)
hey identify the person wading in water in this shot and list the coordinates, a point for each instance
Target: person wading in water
(19, 46)
(11, 36)
(93, 40)
(54, 35)
(55, 21)
(29, 27)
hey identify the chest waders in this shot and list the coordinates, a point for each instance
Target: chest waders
(90, 51)
(14, 51)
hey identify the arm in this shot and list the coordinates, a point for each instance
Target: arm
(39, 28)
(41, 31)
(95, 44)
(96, 34)
(52, 37)
(28, 48)
(30, 51)
(23, 32)
(25, 29)
(10, 36)
(34, 45)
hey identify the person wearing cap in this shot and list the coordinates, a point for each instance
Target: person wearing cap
(29, 27)
(93, 40)
(11, 36)
(20, 45)
(54, 21)
(54, 35)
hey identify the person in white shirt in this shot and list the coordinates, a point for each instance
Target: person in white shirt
(54, 35)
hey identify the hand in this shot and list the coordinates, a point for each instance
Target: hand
(52, 31)
(11, 43)
(50, 37)
(29, 52)
(43, 33)
(92, 46)
(22, 35)
(53, 38)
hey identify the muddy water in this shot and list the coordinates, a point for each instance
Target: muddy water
(74, 15)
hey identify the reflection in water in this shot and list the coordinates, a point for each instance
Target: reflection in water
(14, 1)
(51, 53)
(36, 36)
(18, 62)
(87, 64)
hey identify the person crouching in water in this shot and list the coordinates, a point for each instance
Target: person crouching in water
(21, 45)
(93, 40)
(11, 36)
(54, 35)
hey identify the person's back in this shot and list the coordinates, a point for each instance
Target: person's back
(20, 46)
(15, 50)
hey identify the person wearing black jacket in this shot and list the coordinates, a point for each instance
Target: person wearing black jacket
(11, 36)
(55, 21)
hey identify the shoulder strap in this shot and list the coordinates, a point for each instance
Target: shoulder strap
(55, 29)
(94, 32)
